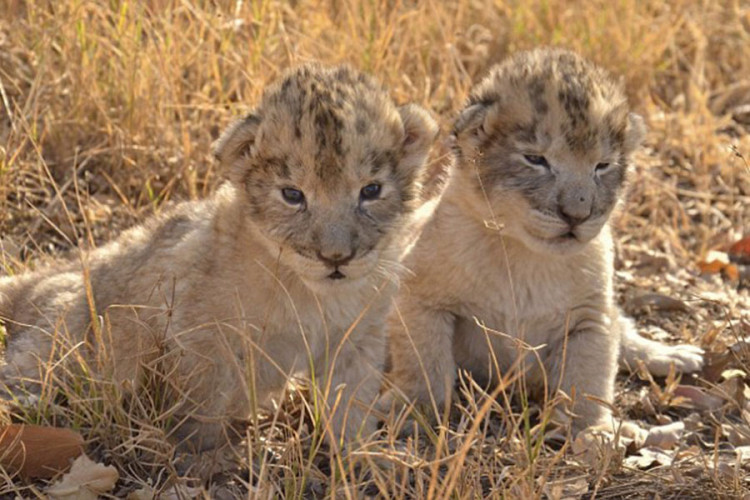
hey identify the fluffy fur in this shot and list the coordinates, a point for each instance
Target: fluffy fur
(515, 270)
(288, 269)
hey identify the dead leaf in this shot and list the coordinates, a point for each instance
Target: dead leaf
(175, 492)
(711, 267)
(743, 455)
(733, 373)
(694, 422)
(732, 389)
(723, 468)
(662, 419)
(649, 457)
(717, 256)
(649, 263)
(691, 453)
(36, 451)
(665, 436)
(743, 273)
(737, 435)
(741, 349)
(697, 398)
(85, 481)
(717, 262)
(567, 488)
(146, 493)
(596, 442)
(180, 492)
(716, 363)
(646, 403)
(740, 251)
(659, 302)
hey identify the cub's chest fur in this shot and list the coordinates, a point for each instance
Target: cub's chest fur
(493, 277)
(326, 317)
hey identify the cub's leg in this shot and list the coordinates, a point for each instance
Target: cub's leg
(589, 367)
(351, 383)
(656, 356)
(23, 366)
(213, 387)
(421, 351)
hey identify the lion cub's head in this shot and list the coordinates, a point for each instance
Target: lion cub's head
(330, 171)
(545, 141)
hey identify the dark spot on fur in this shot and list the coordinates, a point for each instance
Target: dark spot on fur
(329, 129)
(361, 125)
(325, 104)
(322, 126)
(544, 77)
(537, 88)
(524, 133)
(616, 127)
(581, 138)
(381, 160)
(486, 99)
(287, 84)
(278, 166)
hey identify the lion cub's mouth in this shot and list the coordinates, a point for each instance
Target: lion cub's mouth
(570, 235)
(336, 275)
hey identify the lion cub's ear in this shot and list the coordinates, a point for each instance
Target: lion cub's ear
(634, 133)
(470, 118)
(236, 141)
(420, 131)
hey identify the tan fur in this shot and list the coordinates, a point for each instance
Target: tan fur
(235, 294)
(516, 266)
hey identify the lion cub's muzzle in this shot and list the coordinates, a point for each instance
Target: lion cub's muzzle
(335, 260)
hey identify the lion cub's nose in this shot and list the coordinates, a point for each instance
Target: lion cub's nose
(335, 259)
(574, 217)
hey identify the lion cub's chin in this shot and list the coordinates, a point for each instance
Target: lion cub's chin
(561, 244)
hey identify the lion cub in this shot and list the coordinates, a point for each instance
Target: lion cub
(288, 269)
(515, 269)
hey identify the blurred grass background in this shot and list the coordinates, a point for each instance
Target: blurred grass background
(126, 97)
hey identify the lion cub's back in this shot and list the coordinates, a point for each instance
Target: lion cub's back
(125, 272)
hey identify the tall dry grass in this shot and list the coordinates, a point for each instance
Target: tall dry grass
(108, 111)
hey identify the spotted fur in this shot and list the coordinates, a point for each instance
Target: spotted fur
(348, 134)
(556, 105)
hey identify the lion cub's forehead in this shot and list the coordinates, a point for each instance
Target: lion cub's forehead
(329, 123)
(553, 93)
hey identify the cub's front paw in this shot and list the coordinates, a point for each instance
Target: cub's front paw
(686, 359)
(391, 400)
(612, 437)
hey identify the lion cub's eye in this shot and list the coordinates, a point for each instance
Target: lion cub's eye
(539, 161)
(293, 196)
(602, 167)
(370, 192)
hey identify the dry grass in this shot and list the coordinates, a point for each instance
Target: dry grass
(108, 111)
